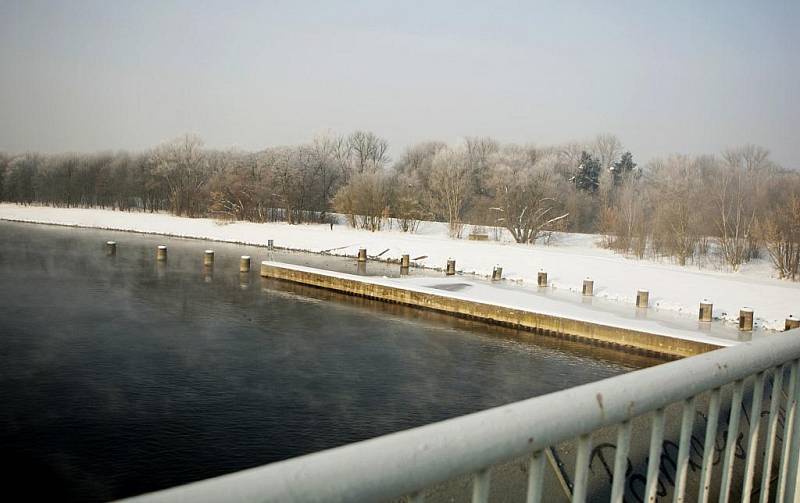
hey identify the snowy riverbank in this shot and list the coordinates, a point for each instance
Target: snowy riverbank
(567, 263)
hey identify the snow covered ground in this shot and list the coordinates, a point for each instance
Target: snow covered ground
(571, 259)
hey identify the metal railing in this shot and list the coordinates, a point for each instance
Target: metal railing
(409, 462)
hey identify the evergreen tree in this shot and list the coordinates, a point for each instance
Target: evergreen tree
(622, 169)
(587, 177)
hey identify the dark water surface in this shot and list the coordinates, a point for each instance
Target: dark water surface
(120, 376)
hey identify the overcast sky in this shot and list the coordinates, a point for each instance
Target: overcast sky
(690, 77)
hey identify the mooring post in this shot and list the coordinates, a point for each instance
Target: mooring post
(362, 254)
(161, 253)
(451, 267)
(405, 263)
(541, 279)
(111, 248)
(642, 298)
(208, 258)
(792, 322)
(588, 287)
(497, 273)
(746, 319)
(706, 308)
(270, 244)
(244, 263)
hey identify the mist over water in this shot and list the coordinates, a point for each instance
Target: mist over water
(121, 376)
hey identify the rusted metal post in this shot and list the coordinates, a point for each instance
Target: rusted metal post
(270, 244)
(362, 254)
(451, 267)
(588, 287)
(161, 253)
(541, 279)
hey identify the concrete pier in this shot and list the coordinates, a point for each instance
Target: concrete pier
(451, 267)
(792, 323)
(559, 326)
(111, 248)
(161, 253)
(642, 298)
(362, 254)
(746, 319)
(588, 287)
(244, 263)
(208, 258)
(706, 309)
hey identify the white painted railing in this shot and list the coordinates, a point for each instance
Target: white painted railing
(760, 465)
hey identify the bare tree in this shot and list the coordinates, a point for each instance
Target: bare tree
(607, 149)
(365, 199)
(734, 193)
(451, 186)
(524, 195)
(780, 225)
(676, 196)
(366, 152)
(182, 164)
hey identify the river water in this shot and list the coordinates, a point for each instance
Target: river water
(119, 375)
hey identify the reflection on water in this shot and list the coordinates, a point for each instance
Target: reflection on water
(121, 375)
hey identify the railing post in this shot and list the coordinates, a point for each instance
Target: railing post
(793, 474)
(788, 433)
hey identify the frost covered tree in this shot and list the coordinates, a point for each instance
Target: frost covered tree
(524, 194)
(182, 164)
(451, 185)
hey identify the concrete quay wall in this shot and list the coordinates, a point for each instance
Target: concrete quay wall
(548, 324)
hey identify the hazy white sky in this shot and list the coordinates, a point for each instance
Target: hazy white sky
(692, 77)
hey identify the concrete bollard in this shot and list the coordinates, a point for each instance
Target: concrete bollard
(270, 244)
(706, 308)
(111, 248)
(642, 298)
(792, 323)
(244, 263)
(497, 273)
(405, 263)
(362, 254)
(161, 253)
(451, 267)
(588, 287)
(208, 258)
(541, 279)
(746, 319)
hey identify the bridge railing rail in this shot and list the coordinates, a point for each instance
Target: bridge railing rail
(408, 462)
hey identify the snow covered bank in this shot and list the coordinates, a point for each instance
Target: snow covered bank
(567, 263)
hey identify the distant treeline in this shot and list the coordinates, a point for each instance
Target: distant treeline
(730, 207)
